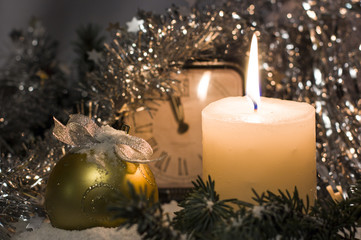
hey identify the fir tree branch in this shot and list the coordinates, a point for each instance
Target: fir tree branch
(202, 210)
(89, 38)
(274, 216)
(151, 221)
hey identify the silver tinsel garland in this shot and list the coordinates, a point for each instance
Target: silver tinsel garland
(309, 51)
(23, 181)
(32, 90)
(137, 67)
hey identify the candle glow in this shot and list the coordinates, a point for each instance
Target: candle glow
(270, 149)
(203, 85)
(252, 84)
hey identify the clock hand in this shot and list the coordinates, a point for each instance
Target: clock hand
(178, 112)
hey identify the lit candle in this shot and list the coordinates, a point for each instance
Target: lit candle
(260, 143)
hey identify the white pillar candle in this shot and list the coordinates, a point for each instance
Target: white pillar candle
(269, 149)
(259, 143)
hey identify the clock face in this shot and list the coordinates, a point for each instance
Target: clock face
(175, 128)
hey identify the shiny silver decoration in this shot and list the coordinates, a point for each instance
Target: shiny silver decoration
(315, 56)
(23, 181)
(310, 51)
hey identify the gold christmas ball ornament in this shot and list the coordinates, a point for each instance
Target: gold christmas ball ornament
(79, 191)
(86, 181)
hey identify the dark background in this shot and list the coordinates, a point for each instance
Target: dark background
(62, 17)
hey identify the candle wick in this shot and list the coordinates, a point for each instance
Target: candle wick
(255, 106)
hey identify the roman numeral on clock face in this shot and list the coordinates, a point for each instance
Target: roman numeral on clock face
(182, 167)
(145, 128)
(163, 164)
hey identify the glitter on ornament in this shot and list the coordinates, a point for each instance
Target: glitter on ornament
(84, 183)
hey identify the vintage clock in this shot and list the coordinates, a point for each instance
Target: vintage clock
(175, 127)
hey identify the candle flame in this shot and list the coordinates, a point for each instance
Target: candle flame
(203, 85)
(252, 82)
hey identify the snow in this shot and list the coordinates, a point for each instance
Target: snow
(44, 231)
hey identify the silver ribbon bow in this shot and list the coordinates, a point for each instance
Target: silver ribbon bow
(81, 131)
